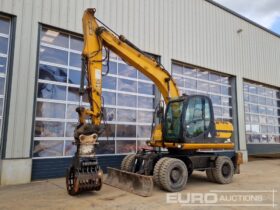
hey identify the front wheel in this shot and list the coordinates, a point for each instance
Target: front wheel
(156, 172)
(128, 163)
(173, 175)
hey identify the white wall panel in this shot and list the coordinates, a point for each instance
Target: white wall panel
(191, 31)
(63, 13)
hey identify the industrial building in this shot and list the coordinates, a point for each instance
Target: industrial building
(206, 47)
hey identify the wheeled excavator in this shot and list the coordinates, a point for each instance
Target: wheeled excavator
(185, 137)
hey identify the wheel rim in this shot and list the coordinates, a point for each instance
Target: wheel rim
(175, 175)
(226, 170)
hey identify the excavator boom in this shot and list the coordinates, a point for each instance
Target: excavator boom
(95, 37)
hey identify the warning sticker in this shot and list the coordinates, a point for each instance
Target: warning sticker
(97, 74)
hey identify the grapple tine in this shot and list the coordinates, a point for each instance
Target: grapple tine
(135, 183)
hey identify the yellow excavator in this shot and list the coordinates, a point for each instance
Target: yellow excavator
(185, 137)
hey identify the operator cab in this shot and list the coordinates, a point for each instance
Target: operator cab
(189, 119)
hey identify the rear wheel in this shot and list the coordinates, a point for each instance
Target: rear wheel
(173, 175)
(223, 171)
(128, 163)
(156, 172)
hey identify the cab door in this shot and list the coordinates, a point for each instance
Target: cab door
(198, 120)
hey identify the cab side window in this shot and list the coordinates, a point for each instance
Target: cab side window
(197, 117)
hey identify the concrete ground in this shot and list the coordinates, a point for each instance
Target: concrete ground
(260, 174)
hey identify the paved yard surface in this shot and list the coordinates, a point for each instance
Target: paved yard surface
(259, 174)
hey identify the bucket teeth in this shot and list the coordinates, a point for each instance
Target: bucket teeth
(135, 183)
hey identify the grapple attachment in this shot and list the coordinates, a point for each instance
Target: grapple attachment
(84, 173)
(132, 182)
(83, 178)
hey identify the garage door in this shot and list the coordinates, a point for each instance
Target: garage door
(262, 116)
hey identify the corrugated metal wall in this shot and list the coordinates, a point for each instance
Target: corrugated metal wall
(191, 31)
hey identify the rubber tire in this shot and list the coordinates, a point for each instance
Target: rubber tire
(217, 171)
(164, 175)
(156, 171)
(210, 176)
(124, 161)
(128, 162)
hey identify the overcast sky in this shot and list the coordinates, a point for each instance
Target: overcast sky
(263, 12)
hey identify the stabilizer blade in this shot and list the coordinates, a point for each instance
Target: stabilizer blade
(135, 183)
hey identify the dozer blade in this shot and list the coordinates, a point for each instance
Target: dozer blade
(135, 183)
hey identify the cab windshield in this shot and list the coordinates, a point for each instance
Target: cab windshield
(173, 120)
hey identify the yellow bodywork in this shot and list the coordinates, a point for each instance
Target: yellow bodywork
(227, 127)
(157, 133)
(92, 52)
(223, 129)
